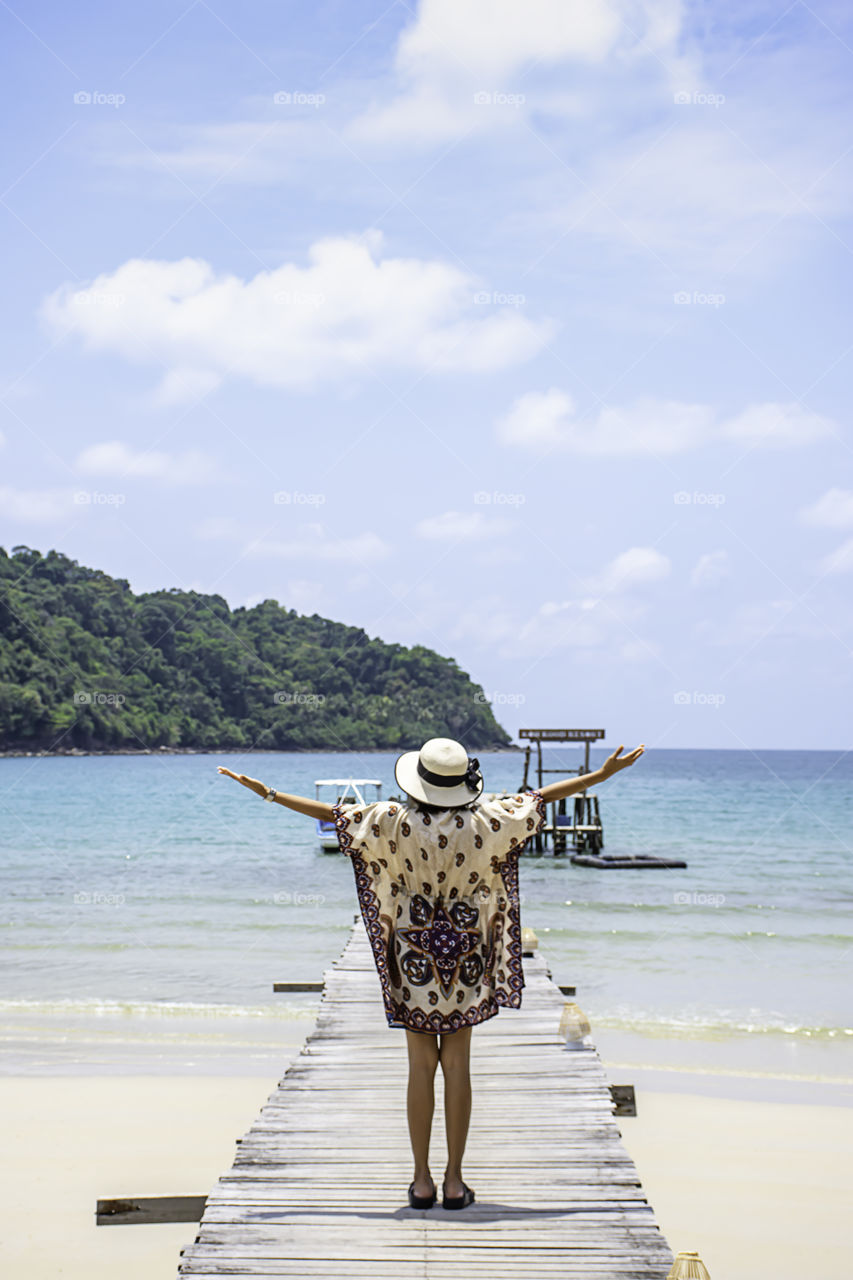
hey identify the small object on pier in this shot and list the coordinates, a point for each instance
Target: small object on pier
(688, 1266)
(144, 1209)
(624, 861)
(623, 1097)
(529, 942)
(574, 1025)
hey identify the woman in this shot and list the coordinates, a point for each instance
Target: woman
(437, 883)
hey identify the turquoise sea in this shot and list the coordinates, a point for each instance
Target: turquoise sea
(147, 891)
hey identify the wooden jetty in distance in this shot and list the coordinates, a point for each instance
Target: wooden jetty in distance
(581, 829)
(318, 1185)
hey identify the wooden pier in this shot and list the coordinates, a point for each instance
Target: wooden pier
(318, 1185)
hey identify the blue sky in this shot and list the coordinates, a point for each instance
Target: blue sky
(519, 331)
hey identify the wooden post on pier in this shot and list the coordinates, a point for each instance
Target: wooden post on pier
(318, 1184)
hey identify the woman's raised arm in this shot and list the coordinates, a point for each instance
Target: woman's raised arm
(300, 804)
(571, 786)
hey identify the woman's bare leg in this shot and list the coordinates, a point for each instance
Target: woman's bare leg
(420, 1103)
(454, 1055)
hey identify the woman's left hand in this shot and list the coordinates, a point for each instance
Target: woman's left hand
(252, 783)
(615, 761)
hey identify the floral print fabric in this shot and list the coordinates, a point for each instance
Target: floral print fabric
(439, 897)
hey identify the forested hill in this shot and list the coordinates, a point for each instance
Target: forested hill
(85, 663)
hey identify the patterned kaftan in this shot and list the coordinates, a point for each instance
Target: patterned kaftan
(439, 897)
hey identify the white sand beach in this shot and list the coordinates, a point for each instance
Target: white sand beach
(759, 1188)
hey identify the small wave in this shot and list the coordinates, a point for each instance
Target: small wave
(701, 1026)
(93, 1007)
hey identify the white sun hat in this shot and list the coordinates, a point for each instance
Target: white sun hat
(441, 773)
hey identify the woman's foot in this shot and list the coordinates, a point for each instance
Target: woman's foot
(423, 1186)
(453, 1186)
(460, 1201)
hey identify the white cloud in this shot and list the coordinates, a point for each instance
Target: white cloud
(636, 567)
(600, 615)
(115, 458)
(710, 568)
(547, 421)
(757, 623)
(345, 312)
(37, 506)
(834, 510)
(181, 385)
(313, 544)
(584, 624)
(777, 426)
(451, 52)
(840, 560)
(456, 526)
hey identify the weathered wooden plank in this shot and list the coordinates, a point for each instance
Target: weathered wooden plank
(147, 1209)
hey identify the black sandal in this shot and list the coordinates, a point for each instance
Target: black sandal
(421, 1202)
(458, 1202)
